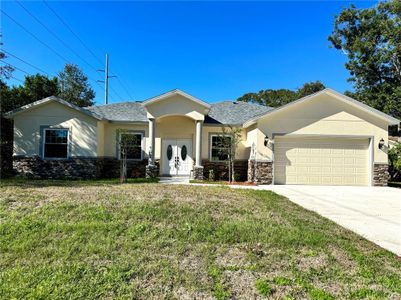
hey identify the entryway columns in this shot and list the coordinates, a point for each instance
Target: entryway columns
(198, 169)
(198, 144)
(151, 168)
(152, 129)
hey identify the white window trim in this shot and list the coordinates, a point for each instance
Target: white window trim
(142, 145)
(44, 144)
(211, 145)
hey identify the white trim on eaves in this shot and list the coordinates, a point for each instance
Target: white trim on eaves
(172, 93)
(389, 119)
(35, 104)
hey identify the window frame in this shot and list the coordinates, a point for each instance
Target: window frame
(44, 144)
(211, 145)
(141, 133)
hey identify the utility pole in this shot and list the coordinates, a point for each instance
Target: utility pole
(106, 80)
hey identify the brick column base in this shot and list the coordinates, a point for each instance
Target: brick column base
(198, 173)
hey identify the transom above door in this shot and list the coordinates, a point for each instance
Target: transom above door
(177, 157)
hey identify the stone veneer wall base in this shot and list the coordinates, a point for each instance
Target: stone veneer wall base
(152, 171)
(220, 169)
(77, 168)
(198, 173)
(380, 175)
(260, 171)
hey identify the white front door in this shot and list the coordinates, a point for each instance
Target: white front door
(177, 157)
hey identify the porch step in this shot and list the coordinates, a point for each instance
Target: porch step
(174, 180)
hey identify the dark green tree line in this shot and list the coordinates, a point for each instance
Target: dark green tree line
(276, 98)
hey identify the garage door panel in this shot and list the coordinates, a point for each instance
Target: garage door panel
(327, 161)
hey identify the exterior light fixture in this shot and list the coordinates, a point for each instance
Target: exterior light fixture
(266, 141)
(381, 144)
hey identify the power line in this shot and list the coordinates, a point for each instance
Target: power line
(82, 42)
(25, 62)
(126, 90)
(70, 29)
(39, 69)
(40, 41)
(55, 35)
(16, 68)
(35, 37)
(17, 79)
(46, 45)
(43, 43)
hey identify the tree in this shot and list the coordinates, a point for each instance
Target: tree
(6, 70)
(276, 98)
(74, 86)
(125, 141)
(310, 88)
(229, 141)
(35, 87)
(371, 39)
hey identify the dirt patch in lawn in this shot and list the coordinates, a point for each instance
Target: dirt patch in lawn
(241, 283)
(233, 257)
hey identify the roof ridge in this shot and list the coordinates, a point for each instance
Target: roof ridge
(116, 103)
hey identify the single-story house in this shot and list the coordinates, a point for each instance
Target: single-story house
(326, 138)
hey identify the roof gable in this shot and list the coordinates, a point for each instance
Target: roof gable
(44, 101)
(334, 95)
(173, 93)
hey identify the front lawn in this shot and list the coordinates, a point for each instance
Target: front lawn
(177, 241)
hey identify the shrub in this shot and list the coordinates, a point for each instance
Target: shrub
(394, 157)
(211, 175)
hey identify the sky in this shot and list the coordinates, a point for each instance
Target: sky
(212, 50)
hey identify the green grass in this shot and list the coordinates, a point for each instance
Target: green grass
(263, 286)
(23, 182)
(98, 239)
(207, 181)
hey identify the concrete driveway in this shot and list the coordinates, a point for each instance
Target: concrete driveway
(372, 212)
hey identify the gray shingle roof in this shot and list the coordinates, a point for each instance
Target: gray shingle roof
(225, 112)
(234, 113)
(124, 111)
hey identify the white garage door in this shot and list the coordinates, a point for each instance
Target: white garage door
(321, 161)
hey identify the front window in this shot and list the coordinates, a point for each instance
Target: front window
(131, 145)
(220, 147)
(56, 143)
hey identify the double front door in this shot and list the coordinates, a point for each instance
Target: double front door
(177, 157)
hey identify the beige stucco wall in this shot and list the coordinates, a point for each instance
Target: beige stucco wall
(174, 127)
(100, 138)
(323, 115)
(83, 129)
(110, 136)
(243, 149)
(176, 105)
